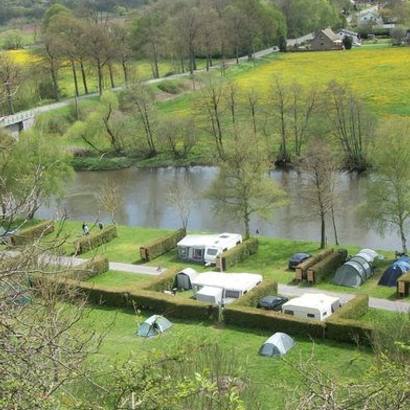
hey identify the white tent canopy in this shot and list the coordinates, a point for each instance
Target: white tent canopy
(185, 277)
(231, 281)
(153, 326)
(277, 345)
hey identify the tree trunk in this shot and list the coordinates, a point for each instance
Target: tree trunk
(125, 71)
(334, 225)
(403, 239)
(84, 77)
(55, 84)
(100, 78)
(322, 231)
(9, 98)
(111, 75)
(75, 78)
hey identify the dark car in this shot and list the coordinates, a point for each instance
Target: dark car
(272, 302)
(297, 258)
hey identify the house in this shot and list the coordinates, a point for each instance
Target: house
(345, 32)
(206, 248)
(316, 306)
(215, 287)
(369, 18)
(326, 40)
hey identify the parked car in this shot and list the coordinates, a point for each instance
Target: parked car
(297, 258)
(275, 48)
(272, 303)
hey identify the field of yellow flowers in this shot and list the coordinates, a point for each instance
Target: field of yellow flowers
(380, 76)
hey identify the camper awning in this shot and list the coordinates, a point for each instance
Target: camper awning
(231, 281)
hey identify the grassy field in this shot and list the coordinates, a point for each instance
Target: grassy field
(270, 375)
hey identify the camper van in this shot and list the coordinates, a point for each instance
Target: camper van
(206, 248)
(231, 286)
(315, 306)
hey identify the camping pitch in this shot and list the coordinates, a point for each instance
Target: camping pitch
(277, 345)
(394, 271)
(153, 326)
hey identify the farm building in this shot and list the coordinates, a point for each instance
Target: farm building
(206, 248)
(316, 306)
(232, 285)
(326, 40)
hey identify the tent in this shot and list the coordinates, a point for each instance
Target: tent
(394, 271)
(277, 345)
(185, 277)
(153, 326)
(356, 270)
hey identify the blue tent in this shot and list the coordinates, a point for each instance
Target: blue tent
(394, 271)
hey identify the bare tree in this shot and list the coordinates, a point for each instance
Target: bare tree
(10, 81)
(111, 199)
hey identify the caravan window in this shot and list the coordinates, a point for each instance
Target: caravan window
(183, 252)
(310, 315)
(212, 252)
(232, 294)
(197, 254)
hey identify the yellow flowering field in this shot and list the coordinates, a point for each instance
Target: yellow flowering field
(23, 57)
(379, 75)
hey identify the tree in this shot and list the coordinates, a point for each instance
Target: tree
(243, 187)
(347, 42)
(350, 124)
(10, 81)
(111, 199)
(320, 176)
(387, 207)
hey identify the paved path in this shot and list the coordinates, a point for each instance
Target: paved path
(141, 269)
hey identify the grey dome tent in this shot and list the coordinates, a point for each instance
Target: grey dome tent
(153, 326)
(185, 277)
(356, 270)
(394, 271)
(277, 345)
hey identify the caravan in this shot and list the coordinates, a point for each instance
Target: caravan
(206, 248)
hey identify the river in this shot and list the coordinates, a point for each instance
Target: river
(143, 193)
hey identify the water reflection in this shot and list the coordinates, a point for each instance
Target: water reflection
(144, 204)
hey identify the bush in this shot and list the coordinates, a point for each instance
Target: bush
(161, 245)
(327, 266)
(29, 235)
(165, 281)
(302, 268)
(170, 87)
(354, 309)
(237, 254)
(272, 321)
(251, 299)
(95, 239)
(92, 267)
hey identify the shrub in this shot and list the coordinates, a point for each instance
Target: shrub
(90, 268)
(347, 330)
(251, 299)
(327, 266)
(95, 239)
(29, 235)
(238, 253)
(165, 281)
(272, 321)
(170, 87)
(302, 268)
(161, 245)
(354, 309)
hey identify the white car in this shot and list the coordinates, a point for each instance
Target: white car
(356, 44)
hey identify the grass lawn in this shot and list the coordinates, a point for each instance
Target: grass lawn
(115, 278)
(269, 374)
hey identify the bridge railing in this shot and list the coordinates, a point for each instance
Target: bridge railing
(15, 119)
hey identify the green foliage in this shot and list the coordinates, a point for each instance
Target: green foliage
(95, 239)
(100, 163)
(354, 309)
(328, 265)
(29, 235)
(170, 87)
(302, 268)
(238, 254)
(161, 245)
(347, 42)
(92, 267)
(251, 299)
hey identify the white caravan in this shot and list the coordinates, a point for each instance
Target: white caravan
(232, 285)
(206, 248)
(315, 306)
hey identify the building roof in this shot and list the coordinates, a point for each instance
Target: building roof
(328, 32)
(231, 281)
(206, 240)
(312, 300)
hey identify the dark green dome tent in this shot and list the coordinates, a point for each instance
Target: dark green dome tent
(356, 270)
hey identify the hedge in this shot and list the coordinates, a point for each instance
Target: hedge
(165, 281)
(251, 299)
(95, 239)
(354, 309)
(326, 267)
(273, 321)
(303, 267)
(237, 254)
(403, 285)
(161, 245)
(29, 235)
(92, 267)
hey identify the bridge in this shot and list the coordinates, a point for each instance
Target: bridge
(18, 122)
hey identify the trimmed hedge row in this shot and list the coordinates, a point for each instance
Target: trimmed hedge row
(251, 299)
(273, 321)
(403, 285)
(95, 239)
(92, 267)
(237, 254)
(327, 266)
(29, 235)
(354, 309)
(302, 268)
(165, 281)
(161, 245)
